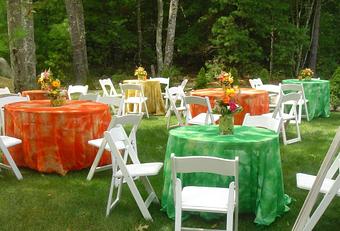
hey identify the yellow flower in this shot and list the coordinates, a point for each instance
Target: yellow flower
(56, 83)
(230, 91)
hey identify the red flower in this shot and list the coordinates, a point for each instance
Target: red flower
(232, 106)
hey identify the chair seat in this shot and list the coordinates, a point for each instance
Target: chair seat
(135, 99)
(200, 118)
(147, 169)
(208, 199)
(300, 102)
(97, 142)
(305, 181)
(285, 116)
(10, 141)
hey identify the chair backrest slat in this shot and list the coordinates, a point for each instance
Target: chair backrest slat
(107, 82)
(262, 121)
(190, 164)
(77, 89)
(4, 91)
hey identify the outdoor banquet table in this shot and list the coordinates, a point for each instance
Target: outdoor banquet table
(35, 94)
(317, 92)
(253, 101)
(261, 189)
(152, 90)
(54, 139)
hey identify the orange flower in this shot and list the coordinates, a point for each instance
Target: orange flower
(56, 83)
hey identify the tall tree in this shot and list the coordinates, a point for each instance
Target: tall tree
(75, 13)
(170, 37)
(159, 30)
(315, 36)
(21, 43)
(139, 31)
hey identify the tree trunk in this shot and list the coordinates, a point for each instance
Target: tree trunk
(75, 15)
(159, 30)
(271, 56)
(21, 43)
(139, 32)
(315, 36)
(170, 38)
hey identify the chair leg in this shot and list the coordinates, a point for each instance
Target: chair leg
(284, 137)
(12, 164)
(96, 160)
(299, 113)
(306, 110)
(138, 198)
(146, 109)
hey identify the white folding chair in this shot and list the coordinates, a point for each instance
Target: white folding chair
(79, 89)
(4, 91)
(90, 97)
(202, 118)
(138, 100)
(122, 171)
(205, 199)
(287, 117)
(5, 143)
(101, 143)
(254, 83)
(262, 121)
(116, 103)
(327, 181)
(298, 88)
(8, 100)
(163, 81)
(108, 88)
(174, 94)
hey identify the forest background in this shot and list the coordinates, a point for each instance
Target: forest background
(271, 39)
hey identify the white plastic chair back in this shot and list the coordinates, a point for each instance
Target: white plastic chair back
(107, 86)
(254, 83)
(90, 97)
(163, 81)
(120, 171)
(202, 118)
(4, 91)
(81, 89)
(173, 94)
(116, 103)
(8, 100)
(262, 121)
(205, 164)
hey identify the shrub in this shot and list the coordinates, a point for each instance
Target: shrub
(335, 88)
(201, 79)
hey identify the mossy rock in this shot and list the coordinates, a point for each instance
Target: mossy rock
(6, 82)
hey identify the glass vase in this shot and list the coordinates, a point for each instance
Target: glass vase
(226, 125)
(57, 102)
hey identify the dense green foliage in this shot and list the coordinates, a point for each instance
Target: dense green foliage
(247, 35)
(335, 88)
(52, 202)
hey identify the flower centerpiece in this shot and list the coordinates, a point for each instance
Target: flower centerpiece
(56, 94)
(228, 106)
(141, 73)
(306, 74)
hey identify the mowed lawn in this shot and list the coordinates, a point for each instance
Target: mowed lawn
(53, 202)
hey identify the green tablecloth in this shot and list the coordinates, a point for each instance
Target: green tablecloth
(317, 92)
(260, 174)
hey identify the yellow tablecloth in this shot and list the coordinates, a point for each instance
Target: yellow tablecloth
(152, 90)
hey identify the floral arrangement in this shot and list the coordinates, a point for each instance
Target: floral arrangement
(227, 107)
(141, 73)
(53, 86)
(306, 74)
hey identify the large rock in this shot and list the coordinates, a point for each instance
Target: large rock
(5, 69)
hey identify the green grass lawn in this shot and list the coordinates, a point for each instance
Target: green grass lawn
(53, 202)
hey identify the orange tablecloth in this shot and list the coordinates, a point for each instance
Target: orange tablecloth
(35, 94)
(253, 101)
(152, 90)
(54, 139)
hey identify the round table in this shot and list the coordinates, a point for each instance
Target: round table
(54, 139)
(317, 92)
(35, 94)
(253, 101)
(261, 189)
(152, 90)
